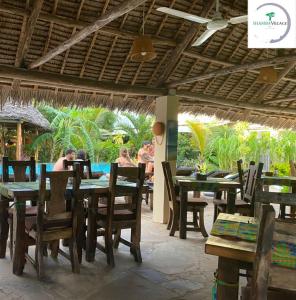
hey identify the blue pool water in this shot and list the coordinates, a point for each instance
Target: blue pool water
(95, 167)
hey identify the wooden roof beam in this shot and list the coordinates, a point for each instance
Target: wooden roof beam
(25, 40)
(71, 82)
(236, 104)
(177, 52)
(108, 17)
(237, 68)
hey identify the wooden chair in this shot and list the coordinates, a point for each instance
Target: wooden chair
(270, 281)
(85, 165)
(114, 218)
(19, 168)
(53, 222)
(246, 205)
(195, 205)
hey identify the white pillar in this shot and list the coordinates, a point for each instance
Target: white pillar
(166, 111)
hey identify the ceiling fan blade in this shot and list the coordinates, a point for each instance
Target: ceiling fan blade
(238, 20)
(206, 35)
(184, 15)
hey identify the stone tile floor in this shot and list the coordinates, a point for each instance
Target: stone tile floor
(171, 269)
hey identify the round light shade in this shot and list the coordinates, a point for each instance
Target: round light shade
(158, 128)
(142, 49)
(267, 75)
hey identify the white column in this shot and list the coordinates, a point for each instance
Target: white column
(166, 111)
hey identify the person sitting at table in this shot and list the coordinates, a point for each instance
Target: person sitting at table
(81, 155)
(124, 159)
(144, 155)
(69, 155)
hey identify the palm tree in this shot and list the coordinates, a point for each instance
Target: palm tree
(137, 128)
(71, 128)
(199, 140)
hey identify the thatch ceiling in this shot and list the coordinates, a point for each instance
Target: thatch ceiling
(98, 70)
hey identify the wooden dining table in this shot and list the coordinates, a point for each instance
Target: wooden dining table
(235, 254)
(217, 185)
(20, 192)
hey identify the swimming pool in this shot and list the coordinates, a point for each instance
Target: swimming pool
(101, 167)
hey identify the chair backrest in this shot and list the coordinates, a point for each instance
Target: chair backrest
(259, 284)
(170, 186)
(254, 172)
(240, 171)
(19, 168)
(82, 165)
(134, 175)
(54, 202)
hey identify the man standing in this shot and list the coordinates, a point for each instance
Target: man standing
(69, 155)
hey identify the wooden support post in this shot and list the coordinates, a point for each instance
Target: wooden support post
(19, 141)
(37, 149)
(2, 141)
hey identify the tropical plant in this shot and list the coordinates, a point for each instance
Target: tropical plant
(199, 140)
(224, 147)
(137, 128)
(71, 128)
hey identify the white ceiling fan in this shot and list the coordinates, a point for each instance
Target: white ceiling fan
(217, 23)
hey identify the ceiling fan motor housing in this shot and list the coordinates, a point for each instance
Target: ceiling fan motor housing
(217, 25)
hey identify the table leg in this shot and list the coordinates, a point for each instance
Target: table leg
(91, 238)
(227, 279)
(230, 207)
(183, 213)
(4, 227)
(19, 238)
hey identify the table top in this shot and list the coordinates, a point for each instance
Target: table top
(245, 251)
(211, 184)
(231, 248)
(31, 189)
(278, 180)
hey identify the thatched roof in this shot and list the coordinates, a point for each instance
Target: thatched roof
(97, 70)
(28, 115)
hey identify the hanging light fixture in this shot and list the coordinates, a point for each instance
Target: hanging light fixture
(267, 75)
(142, 49)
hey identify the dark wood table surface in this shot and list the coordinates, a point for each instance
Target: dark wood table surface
(20, 192)
(234, 254)
(188, 184)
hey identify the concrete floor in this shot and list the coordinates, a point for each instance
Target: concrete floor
(171, 269)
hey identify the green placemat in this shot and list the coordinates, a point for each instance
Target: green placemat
(243, 231)
(283, 253)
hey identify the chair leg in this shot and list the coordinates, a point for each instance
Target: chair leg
(215, 213)
(4, 226)
(195, 218)
(54, 247)
(175, 224)
(11, 238)
(170, 220)
(39, 259)
(74, 256)
(202, 224)
(135, 241)
(117, 238)
(109, 248)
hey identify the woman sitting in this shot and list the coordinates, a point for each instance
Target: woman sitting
(124, 159)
